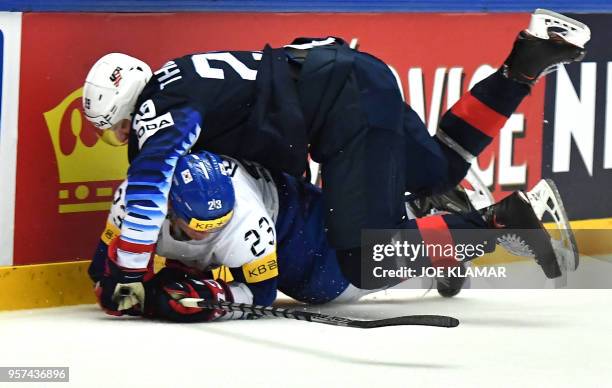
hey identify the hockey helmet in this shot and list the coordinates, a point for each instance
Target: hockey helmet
(110, 92)
(202, 194)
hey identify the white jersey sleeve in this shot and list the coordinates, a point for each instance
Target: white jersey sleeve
(116, 215)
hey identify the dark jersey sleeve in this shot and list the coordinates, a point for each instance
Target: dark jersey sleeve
(165, 126)
(190, 96)
(241, 104)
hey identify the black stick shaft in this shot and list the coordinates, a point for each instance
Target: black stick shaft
(423, 320)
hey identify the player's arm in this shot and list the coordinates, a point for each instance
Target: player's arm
(162, 139)
(254, 283)
(104, 271)
(163, 136)
(110, 233)
(178, 280)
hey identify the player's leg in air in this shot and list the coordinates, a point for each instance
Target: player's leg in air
(390, 151)
(529, 208)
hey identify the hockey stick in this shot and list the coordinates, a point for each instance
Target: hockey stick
(423, 320)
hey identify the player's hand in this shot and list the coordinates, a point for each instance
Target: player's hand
(169, 286)
(121, 290)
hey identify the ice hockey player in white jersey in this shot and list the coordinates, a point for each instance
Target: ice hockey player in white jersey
(268, 228)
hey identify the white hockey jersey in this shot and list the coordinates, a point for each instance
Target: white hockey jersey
(247, 241)
(248, 237)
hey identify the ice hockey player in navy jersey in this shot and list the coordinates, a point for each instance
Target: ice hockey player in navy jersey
(317, 97)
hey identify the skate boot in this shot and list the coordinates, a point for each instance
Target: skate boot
(521, 214)
(550, 40)
(449, 286)
(454, 201)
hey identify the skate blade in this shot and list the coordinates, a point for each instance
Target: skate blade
(515, 245)
(545, 198)
(572, 31)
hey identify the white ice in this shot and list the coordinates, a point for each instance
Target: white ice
(507, 338)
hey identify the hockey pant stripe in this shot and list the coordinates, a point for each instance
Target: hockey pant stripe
(478, 115)
(472, 123)
(434, 231)
(444, 229)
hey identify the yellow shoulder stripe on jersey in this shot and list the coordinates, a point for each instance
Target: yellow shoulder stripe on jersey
(110, 232)
(223, 273)
(261, 269)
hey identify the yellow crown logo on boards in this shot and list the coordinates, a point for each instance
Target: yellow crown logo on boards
(87, 175)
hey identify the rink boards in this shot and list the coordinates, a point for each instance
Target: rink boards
(58, 180)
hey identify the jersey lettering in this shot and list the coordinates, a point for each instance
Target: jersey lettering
(117, 213)
(215, 204)
(261, 269)
(146, 124)
(205, 70)
(110, 232)
(168, 74)
(230, 167)
(253, 235)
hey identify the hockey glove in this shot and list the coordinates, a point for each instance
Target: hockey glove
(121, 290)
(170, 285)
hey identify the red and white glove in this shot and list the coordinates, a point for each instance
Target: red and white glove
(171, 285)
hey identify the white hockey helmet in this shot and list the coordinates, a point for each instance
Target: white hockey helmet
(111, 89)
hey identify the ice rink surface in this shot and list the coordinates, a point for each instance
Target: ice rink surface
(507, 338)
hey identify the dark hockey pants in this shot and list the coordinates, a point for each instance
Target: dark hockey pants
(388, 151)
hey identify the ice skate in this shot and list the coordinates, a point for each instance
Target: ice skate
(545, 199)
(550, 40)
(449, 286)
(521, 214)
